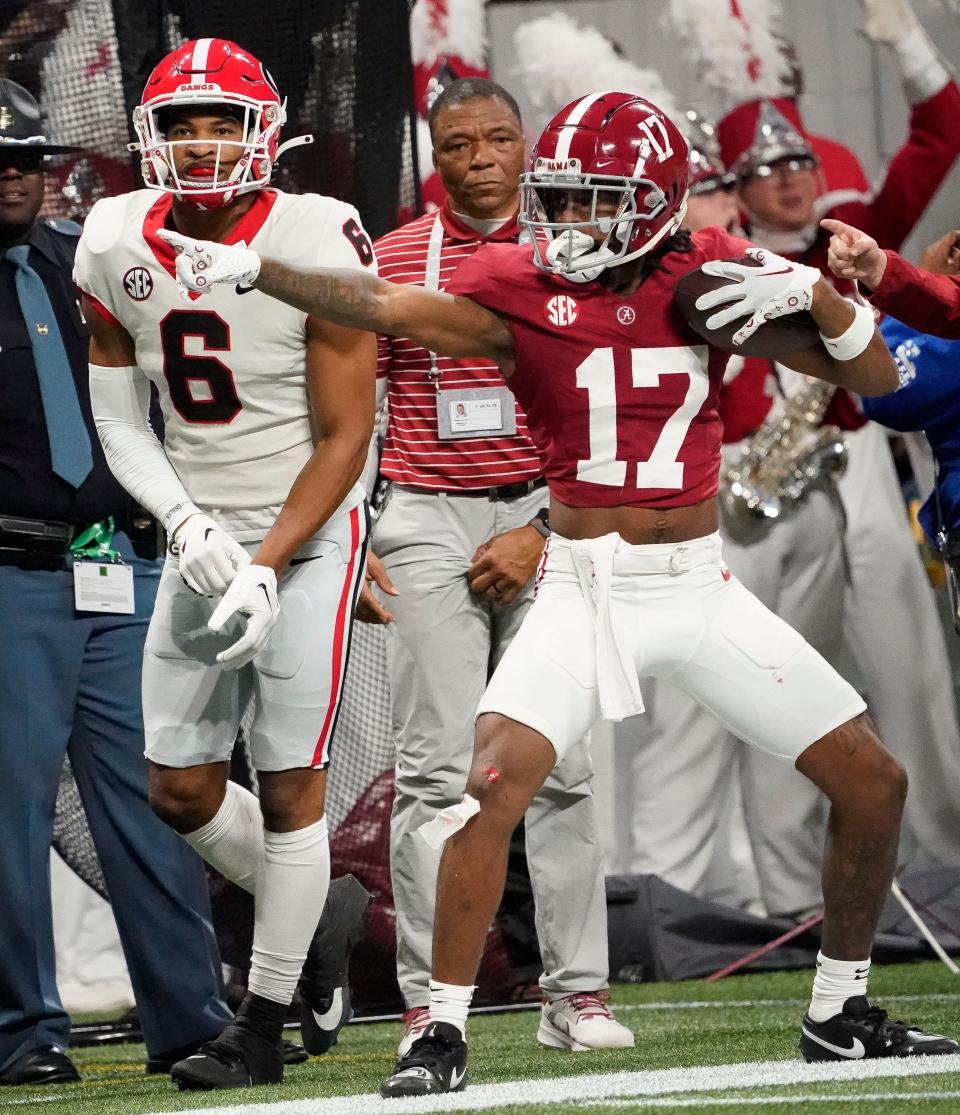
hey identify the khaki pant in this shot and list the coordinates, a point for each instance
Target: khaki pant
(441, 649)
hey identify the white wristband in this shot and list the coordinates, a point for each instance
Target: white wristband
(855, 338)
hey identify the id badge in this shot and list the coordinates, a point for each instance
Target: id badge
(476, 412)
(103, 587)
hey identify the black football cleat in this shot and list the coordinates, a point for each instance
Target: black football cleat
(437, 1062)
(862, 1030)
(238, 1058)
(293, 1054)
(324, 986)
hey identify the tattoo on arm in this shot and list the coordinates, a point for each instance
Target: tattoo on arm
(341, 295)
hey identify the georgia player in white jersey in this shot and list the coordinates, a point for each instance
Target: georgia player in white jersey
(267, 415)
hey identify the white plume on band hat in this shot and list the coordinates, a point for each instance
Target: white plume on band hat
(741, 54)
(561, 60)
(738, 53)
(440, 28)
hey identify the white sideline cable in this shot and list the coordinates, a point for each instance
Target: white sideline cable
(922, 926)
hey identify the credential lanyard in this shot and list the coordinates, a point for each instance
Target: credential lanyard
(94, 543)
(431, 281)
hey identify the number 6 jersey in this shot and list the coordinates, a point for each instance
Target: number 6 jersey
(620, 393)
(229, 365)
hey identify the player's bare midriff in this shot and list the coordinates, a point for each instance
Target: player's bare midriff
(639, 526)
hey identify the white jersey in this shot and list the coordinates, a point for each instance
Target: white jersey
(229, 366)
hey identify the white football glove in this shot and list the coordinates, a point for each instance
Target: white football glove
(200, 263)
(209, 557)
(253, 594)
(775, 288)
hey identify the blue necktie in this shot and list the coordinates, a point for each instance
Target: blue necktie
(70, 453)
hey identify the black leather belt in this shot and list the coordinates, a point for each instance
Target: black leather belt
(34, 536)
(494, 495)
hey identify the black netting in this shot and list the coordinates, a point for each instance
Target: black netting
(71, 836)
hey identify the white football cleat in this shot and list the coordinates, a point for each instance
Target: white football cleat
(582, 1021)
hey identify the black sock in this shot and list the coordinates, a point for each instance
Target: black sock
(262, 1016)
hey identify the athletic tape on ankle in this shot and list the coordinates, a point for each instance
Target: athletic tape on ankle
(448, 821)
(855, 338)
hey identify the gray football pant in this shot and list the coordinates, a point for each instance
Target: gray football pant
(441, 649)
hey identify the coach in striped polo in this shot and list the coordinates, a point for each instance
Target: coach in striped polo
(459, 539)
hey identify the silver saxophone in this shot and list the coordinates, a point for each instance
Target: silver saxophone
(790, 454)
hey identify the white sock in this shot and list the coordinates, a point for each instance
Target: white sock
(449, 1002)
(835, 982)
(291, 889)
(233, 841)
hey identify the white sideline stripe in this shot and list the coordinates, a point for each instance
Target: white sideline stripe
(757, 1101)
(572, 1090)
(703, 1004)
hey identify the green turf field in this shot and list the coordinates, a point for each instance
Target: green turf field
(697, 1028)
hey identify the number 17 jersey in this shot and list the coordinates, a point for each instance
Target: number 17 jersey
(229, 365)
(620, 393)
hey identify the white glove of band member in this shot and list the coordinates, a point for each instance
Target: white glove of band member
(887, 21)
(775, 288)
(253, 594)
(200, 263)
(209, 557)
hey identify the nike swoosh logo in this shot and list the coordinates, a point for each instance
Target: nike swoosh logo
(855, 1052)
(782, 271)
(456, 1081)
(330, 1018)
(243, 289)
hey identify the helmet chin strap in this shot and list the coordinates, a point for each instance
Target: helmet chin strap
(576, 245)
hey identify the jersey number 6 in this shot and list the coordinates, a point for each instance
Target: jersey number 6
(201, 387)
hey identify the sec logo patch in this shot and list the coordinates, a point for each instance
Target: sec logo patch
(138, 284)
(626, 315)
(561, 310)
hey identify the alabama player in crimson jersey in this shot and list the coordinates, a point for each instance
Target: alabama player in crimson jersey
(621, 396)
(267, 417)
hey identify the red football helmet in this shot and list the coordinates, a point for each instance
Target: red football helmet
(609, 173)
(211, 72)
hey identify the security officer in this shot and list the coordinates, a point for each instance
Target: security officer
(75, 601)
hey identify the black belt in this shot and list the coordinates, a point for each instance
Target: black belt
(503, 492)
(34, 536)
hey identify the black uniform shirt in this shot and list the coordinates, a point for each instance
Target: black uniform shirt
(28, 487)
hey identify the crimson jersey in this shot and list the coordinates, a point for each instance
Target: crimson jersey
(620, 393)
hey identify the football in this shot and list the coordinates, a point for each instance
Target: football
(774, 339)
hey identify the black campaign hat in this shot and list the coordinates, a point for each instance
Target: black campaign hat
(20, 126)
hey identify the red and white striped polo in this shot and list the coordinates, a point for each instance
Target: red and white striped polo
(412, 451)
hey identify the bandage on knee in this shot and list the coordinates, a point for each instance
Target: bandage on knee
(448, 821)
